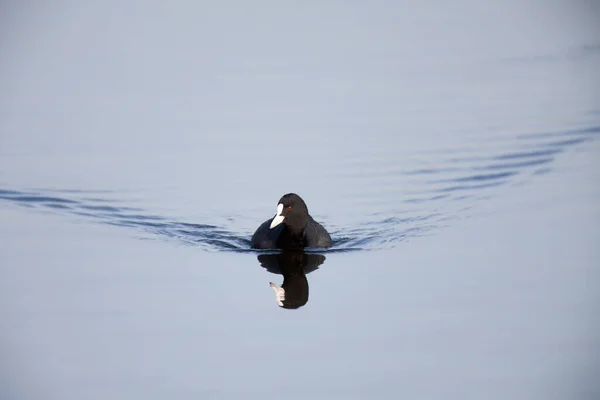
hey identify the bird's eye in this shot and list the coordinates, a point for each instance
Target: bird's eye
(289, 207)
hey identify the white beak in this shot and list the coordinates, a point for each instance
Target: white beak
(278, 218)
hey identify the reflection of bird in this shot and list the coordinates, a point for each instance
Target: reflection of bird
(293, 265)
(291, 228)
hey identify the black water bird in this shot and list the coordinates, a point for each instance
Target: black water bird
(291, 228)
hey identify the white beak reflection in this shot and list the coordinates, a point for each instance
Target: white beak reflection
(279, 294)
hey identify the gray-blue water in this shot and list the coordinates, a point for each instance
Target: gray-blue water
(451, 150)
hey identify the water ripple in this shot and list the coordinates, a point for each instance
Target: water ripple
(429, 204)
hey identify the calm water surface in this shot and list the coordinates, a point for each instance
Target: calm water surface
(451, 151)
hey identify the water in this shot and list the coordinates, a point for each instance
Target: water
(450, 151)
(455, 183)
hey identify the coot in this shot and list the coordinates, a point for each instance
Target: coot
(291, 228)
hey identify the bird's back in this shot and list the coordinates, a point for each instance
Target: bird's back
(316, 235)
